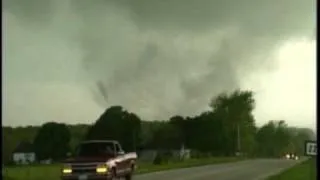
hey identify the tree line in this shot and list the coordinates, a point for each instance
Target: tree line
(228, 127)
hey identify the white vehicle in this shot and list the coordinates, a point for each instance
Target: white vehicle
(292, 156)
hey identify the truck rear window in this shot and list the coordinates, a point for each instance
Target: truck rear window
(95, 149)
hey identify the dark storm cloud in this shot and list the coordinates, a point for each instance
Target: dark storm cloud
(163, 57)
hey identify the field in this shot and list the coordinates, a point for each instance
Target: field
(52, 172)
(304, 171)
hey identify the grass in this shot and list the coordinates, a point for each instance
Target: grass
(52, 172)
(306, 170)
(146, 168)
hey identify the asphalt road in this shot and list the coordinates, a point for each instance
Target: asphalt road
(258, 169)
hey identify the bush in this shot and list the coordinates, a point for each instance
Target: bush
(162, 157)
(198, 154)
(158, 160)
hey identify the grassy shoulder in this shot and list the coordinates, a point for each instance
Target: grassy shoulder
(147, 168)
(304, 171)
(52, 172)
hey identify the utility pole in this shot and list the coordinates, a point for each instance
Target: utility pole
(238, 135)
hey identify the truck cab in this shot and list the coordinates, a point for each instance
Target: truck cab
(99, 159)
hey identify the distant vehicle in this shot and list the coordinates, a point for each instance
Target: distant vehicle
(98, 159)
(292, 156)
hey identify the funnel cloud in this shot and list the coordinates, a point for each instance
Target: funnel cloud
(68, 60)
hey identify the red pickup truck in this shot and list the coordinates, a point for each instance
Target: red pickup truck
(99, 159)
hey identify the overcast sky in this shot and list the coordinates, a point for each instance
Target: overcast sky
(157, 58)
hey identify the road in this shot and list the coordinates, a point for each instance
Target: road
(257, 169)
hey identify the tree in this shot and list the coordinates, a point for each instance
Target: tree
(265, 138)
(282, 137)
(213, 132)
(13, 136)
(167, 137)
(298, 138)
(117, 124)
(179, 123)
(274, 139)
(52, 141)
(77, 132)
(148, 129)
(235, 112)
(7, 149)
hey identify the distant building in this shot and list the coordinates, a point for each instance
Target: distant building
(24, 153)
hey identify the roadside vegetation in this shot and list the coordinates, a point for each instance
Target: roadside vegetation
(306, 170)
(228, 126)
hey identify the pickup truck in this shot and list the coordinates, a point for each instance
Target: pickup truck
(99, 159)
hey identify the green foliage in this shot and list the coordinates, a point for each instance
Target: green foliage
(148, 129)
(52, 141)
(162, 157)
(77, 132)
(275, 139)
(298, 137)
(11, 137)
(167, 137)
(117, 124)
(211, 133)
(235, 112)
